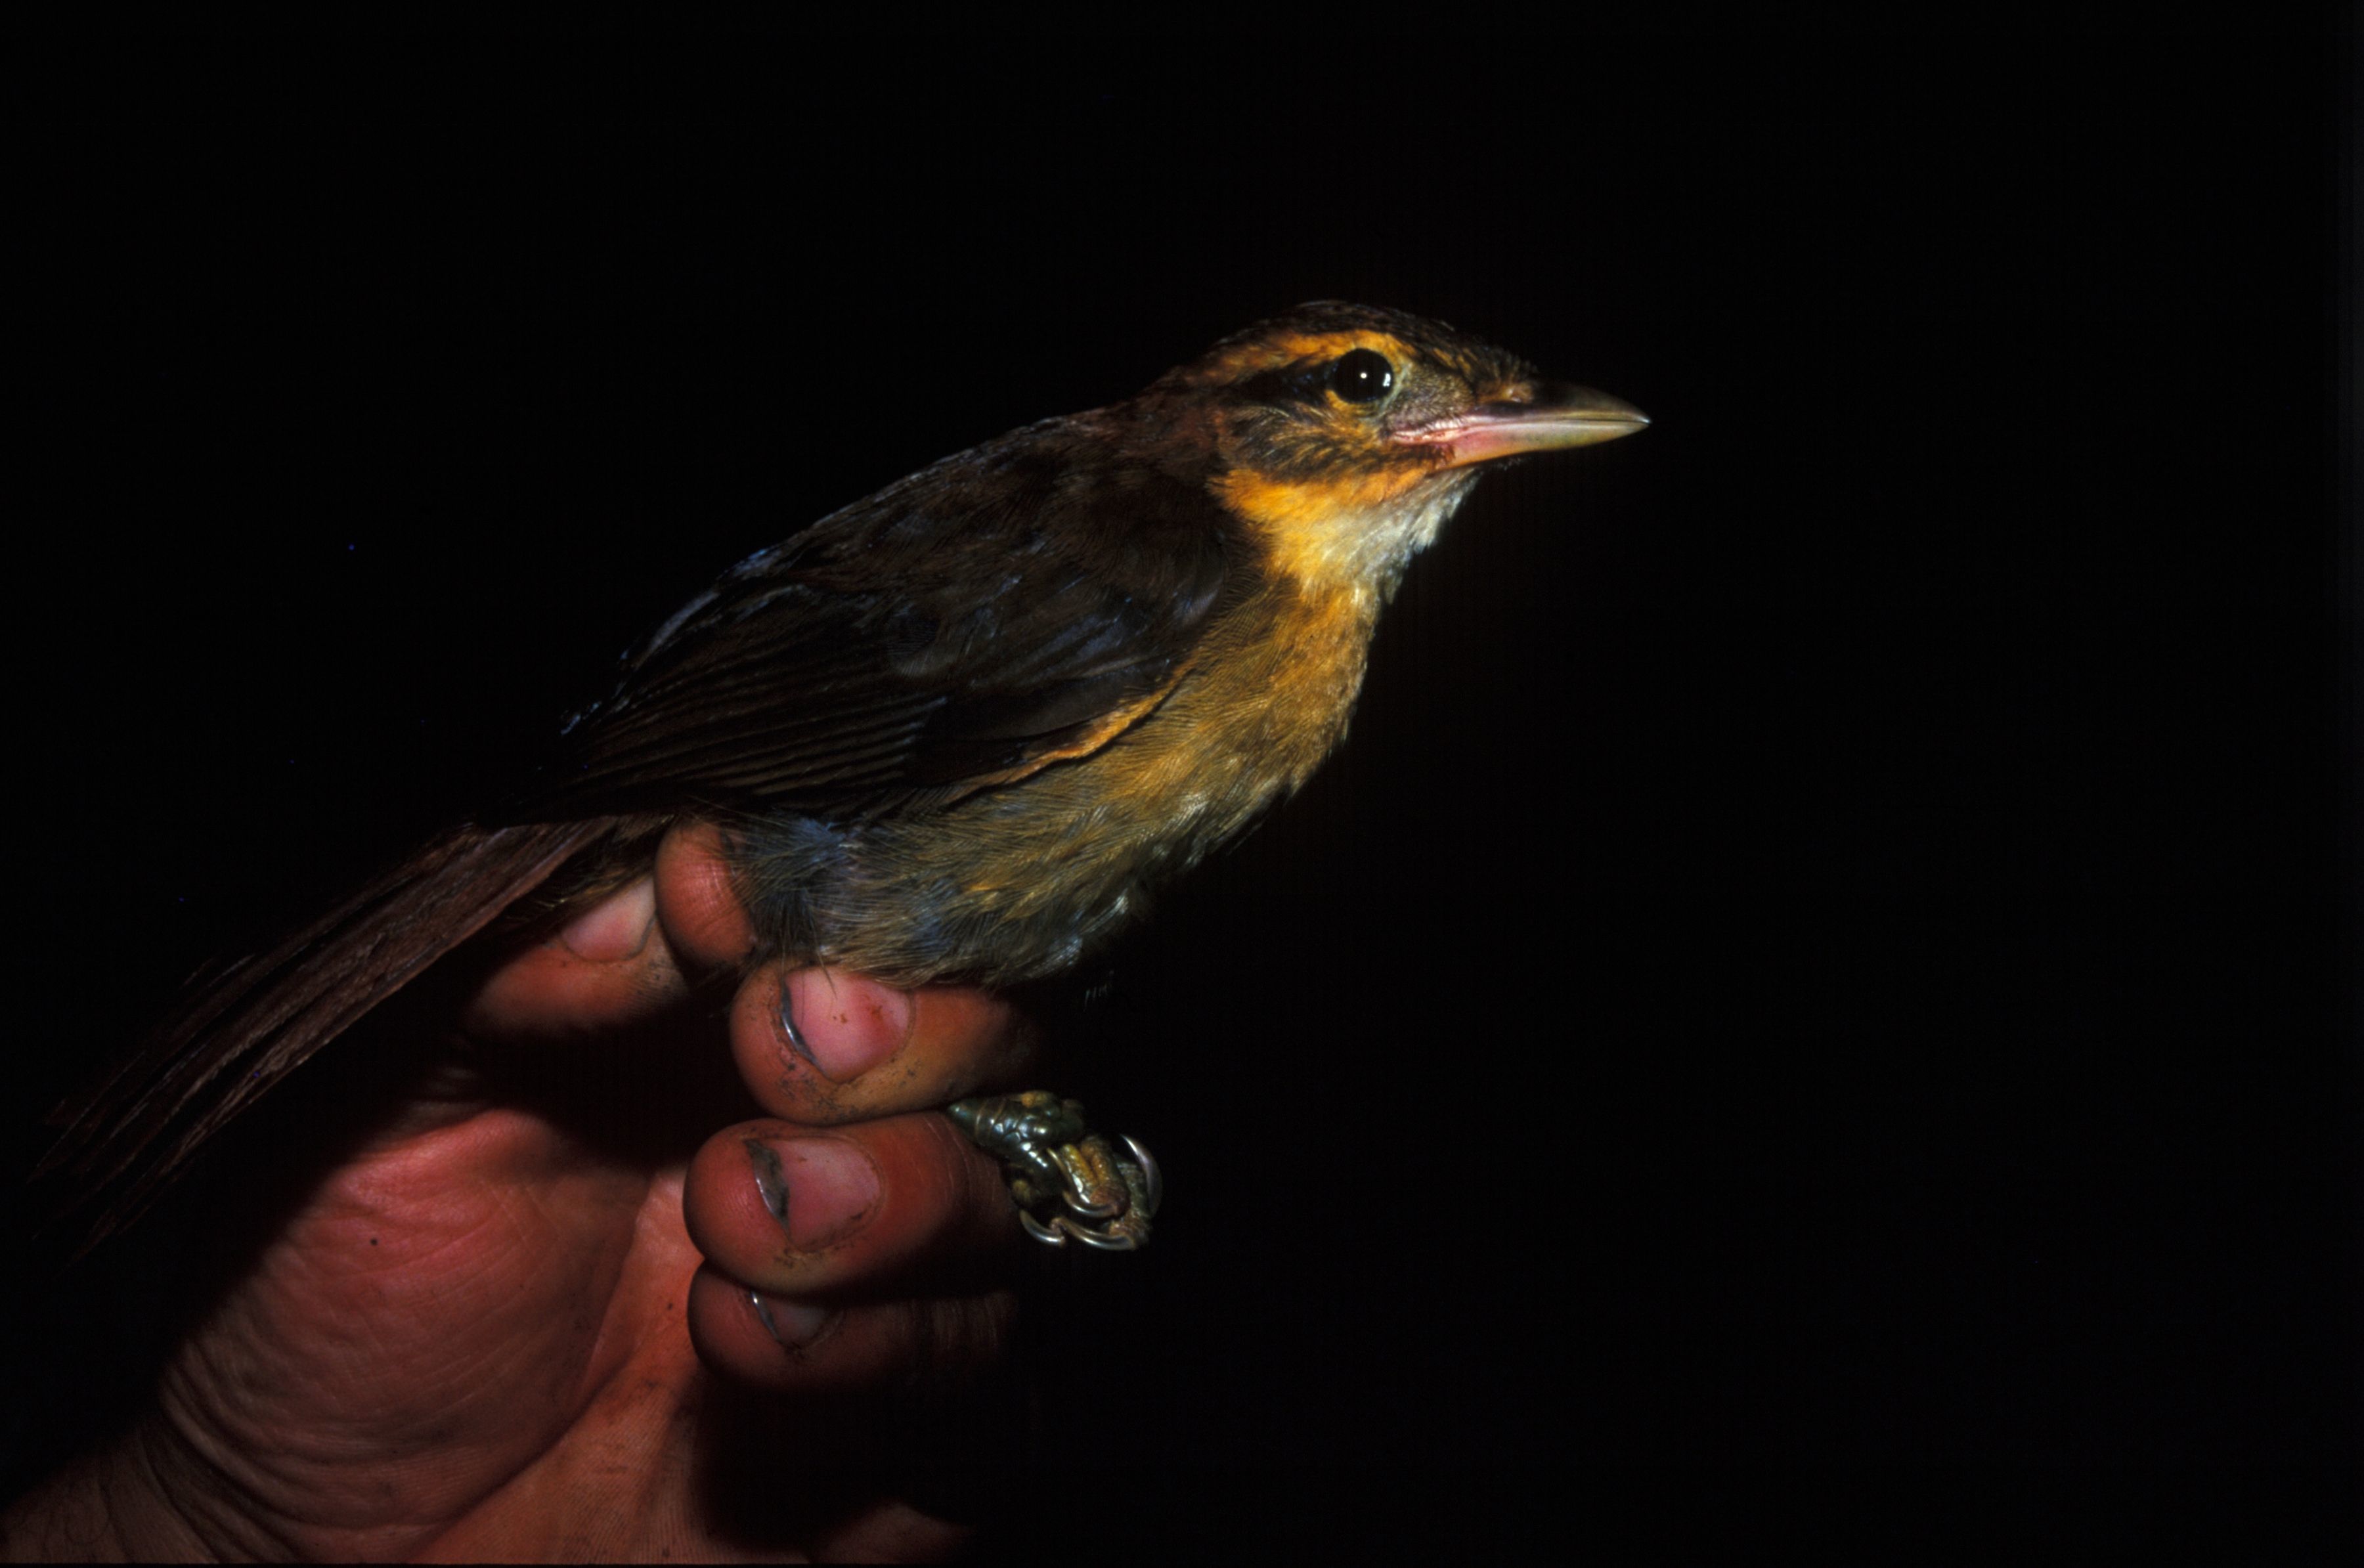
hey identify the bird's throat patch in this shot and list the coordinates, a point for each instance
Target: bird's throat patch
(1343, 534)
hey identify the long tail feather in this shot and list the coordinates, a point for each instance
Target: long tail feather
(258, 1019)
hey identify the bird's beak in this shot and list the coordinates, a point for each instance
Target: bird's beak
(1557, 415)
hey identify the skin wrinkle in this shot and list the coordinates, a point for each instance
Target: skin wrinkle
(275, 1476)
(282, 1475)
(188, 1505)
(294, 1480)
(205, 1490)
(625, 1337)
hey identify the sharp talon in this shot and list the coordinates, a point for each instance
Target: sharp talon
(1040, 1231)
(1093, 1210)
(1153, 1182)
(1106, 1240)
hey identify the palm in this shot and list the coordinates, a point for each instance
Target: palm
(464, 1319)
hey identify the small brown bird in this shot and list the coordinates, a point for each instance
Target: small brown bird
(954, 731)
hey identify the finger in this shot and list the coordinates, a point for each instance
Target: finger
(832, 1257)
(775, 1343)
(697, 900)
(850, 1211)
(609, 967)
(623, 959)
(823, 1046)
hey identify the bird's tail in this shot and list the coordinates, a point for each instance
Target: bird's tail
(247, 1026)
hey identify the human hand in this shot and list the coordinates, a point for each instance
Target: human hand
(541, 1307)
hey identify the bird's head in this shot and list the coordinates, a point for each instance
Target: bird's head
(1343, 435)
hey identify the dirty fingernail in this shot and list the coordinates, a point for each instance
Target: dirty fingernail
(818, 1188)
(843, 1024)
(615, 929)
(794, 1324)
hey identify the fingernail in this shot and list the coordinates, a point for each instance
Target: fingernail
(818, 1188)
(615, 929)
(843, 1024)
(794, 1324)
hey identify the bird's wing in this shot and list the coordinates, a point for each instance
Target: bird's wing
(1000, 611)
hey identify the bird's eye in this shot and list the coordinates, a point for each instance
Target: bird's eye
(1362, 376)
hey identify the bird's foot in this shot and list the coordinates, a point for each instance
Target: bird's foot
(1068, 1182)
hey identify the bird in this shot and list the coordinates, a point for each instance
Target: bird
(957, 731)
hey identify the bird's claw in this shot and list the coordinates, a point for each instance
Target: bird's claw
(1069, 1182)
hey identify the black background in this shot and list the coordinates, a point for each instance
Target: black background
(1811, 1000)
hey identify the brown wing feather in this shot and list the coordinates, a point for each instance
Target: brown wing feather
(901, 646)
